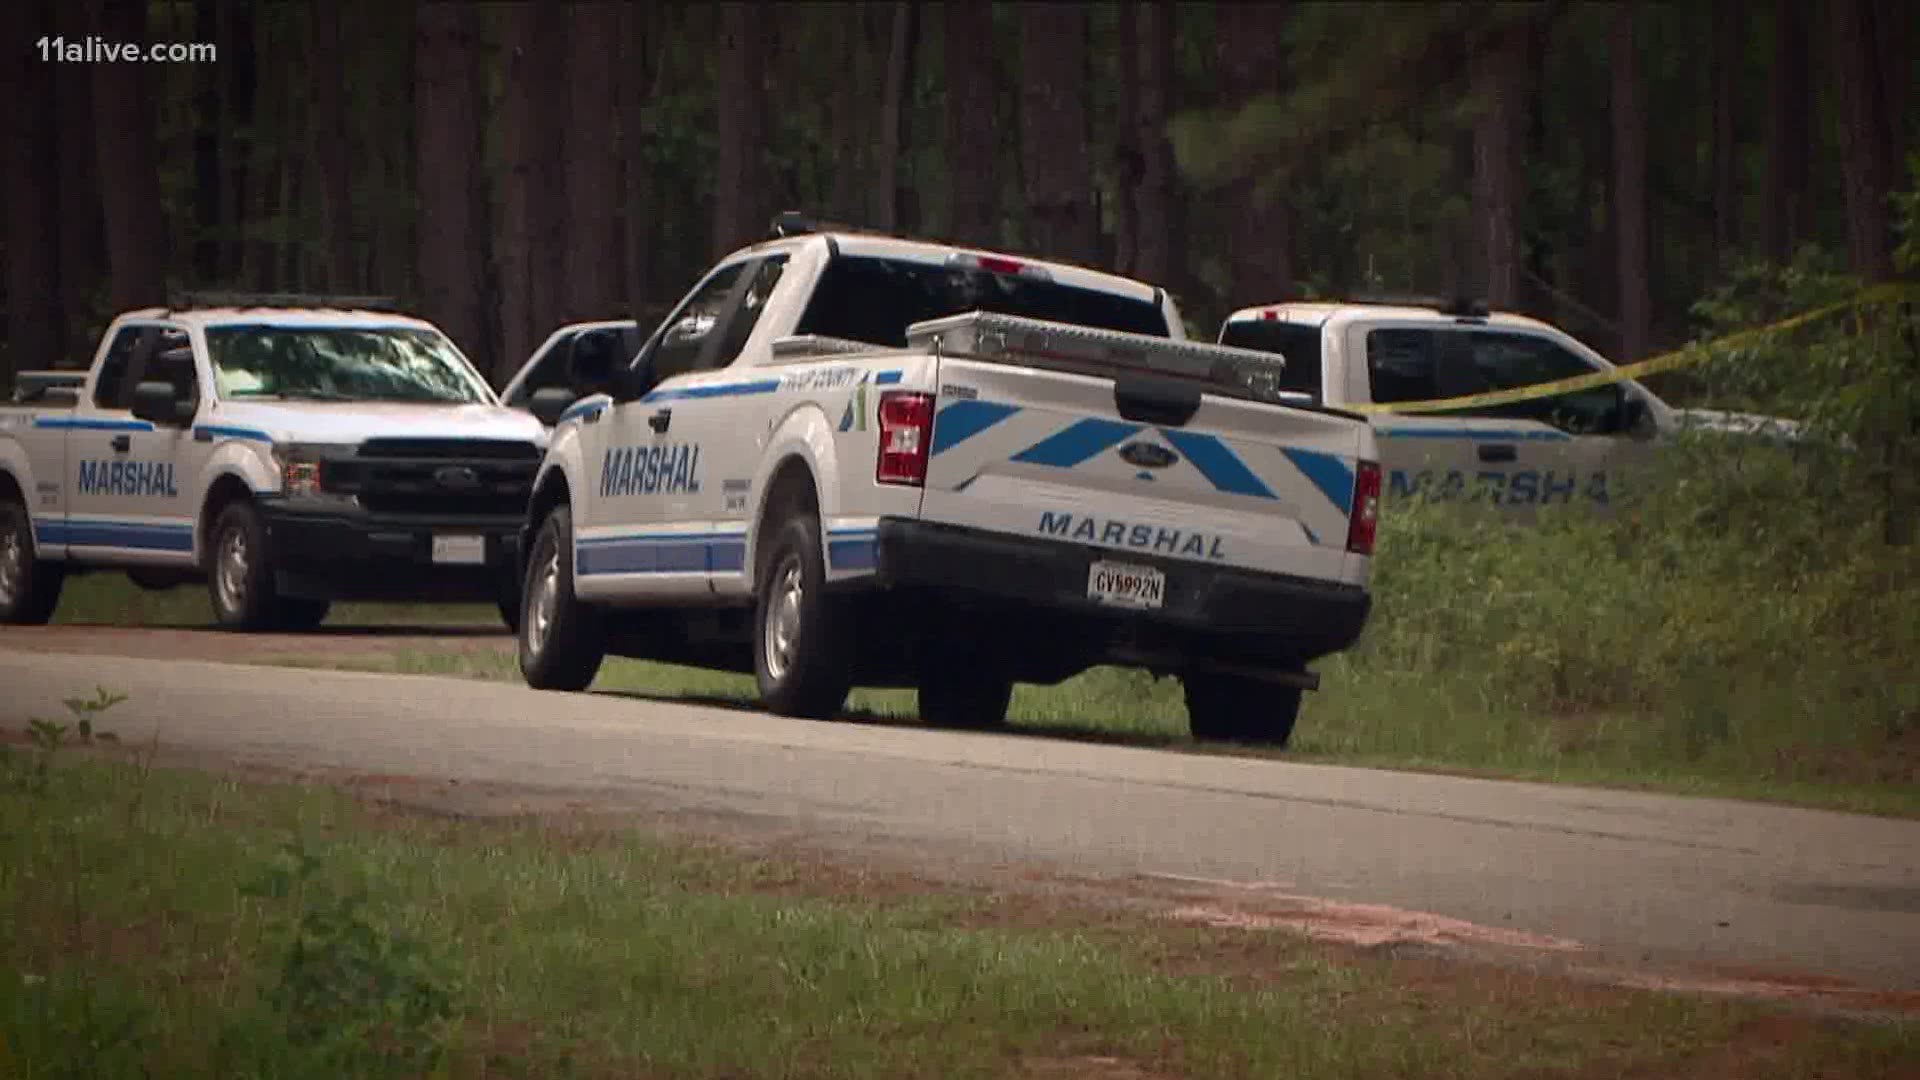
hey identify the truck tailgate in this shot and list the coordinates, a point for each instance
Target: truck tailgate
(1032, 450)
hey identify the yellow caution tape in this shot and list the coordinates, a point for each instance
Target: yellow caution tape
(1682, 357)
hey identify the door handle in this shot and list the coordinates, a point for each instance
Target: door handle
(1497, 452)
(122, 443)
(659, 421)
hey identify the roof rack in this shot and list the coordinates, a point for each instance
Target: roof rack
(183, 300)
(1464, 306)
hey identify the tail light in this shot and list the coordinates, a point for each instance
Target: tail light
(906, 428)
(1365, 516)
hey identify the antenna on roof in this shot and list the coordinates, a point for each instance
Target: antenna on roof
(185, 300)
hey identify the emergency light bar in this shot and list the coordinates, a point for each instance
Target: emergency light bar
(1012, 339)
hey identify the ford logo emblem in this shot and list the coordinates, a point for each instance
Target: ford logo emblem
(456, 476)
(1148, 455)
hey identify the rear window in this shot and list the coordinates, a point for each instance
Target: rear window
(1297, 342)
(871, 299)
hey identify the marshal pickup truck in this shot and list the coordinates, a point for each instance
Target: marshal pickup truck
(853, 459)
(1569, 449)
(289, 452)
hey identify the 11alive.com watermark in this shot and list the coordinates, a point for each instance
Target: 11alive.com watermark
(94, 49)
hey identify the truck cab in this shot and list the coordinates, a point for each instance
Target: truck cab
(289, 451)
(1572, 448)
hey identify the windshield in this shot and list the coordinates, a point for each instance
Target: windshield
(870, 299)
(337, 363)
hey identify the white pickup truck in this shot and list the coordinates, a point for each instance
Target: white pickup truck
(850, 459)
(291, 455)
(1571, 448)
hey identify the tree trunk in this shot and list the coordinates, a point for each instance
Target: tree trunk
(1160, 255)
(1728, 42)
(81, 232)
(1126, 142)
(1498, 75)
(884, 201)
(239, 139)
(739, 217)
(332, 151)
(1866, 137)
(970, 127)
(124, 127)
(207, 117)
(590, 199)
(545, 86)
(1789, 133)
(1630, 185)
(637, 190)
(1260, 231)
(513, 247)
(1053, 133)
(852, 138)
(34, 334)
(447, 143)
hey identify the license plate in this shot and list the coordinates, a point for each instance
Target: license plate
(1122, 585)
(459, 549)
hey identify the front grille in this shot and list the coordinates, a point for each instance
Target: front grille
(445, 449)
(436, 476)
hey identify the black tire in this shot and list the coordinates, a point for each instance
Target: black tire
(1232, 708)
(297, 613)
(29, 587)
(240, 579)
(964, 698)
(560, 640)
(511, 600)
(801, 635)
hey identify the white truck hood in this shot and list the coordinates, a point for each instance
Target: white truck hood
(352, 422)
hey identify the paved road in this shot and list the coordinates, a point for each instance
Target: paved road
(1633, 876)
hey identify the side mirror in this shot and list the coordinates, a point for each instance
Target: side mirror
(548, 404)
(154, 401)
(630, 382)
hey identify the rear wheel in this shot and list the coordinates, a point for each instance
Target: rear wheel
(1234, 708)
(29, 586)
(955, 696)
(800, 633)
(561, 643)
(240, 579)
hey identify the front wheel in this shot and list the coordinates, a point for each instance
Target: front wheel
(240, 580)
(800, 656)
(561, 645)
(1234, 708)
(29, 587)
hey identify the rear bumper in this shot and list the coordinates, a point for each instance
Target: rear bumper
(1210, 612)
(351, 555)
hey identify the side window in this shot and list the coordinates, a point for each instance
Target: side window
(591, 362)
(677, 351)
(1482, 362)
(740, 327)
(1409, 364)
(108, 389)
(129, 359)
(551, 371)
(1400, 366)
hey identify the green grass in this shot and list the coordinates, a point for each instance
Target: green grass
(162, 923)
(108, 598)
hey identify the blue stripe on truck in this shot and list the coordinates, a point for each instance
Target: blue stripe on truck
(1076, 443)
(1327, 472)
(1219, 464)
(962, 420)
(88, 532)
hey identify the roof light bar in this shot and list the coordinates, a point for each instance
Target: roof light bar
(998, 264)
(179, 301)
